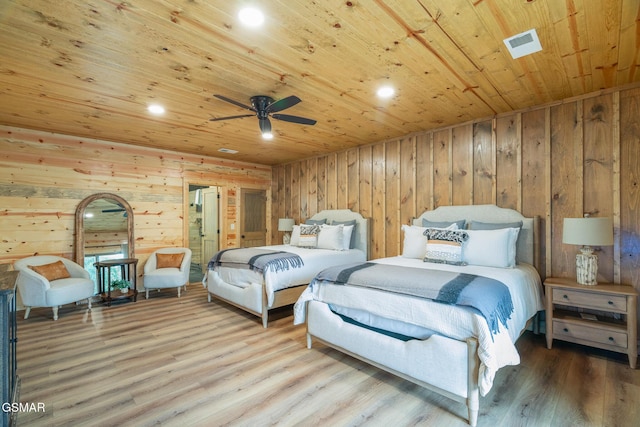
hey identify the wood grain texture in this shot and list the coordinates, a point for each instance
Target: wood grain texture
(442, 168)
(484, 164)
(629, 191)
(91, 70)
(190, 362)
(392, 199)
(45, 176)
(508, 162)
(554, 161)
(462, 155)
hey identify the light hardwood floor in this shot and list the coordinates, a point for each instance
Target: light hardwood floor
(185, 362)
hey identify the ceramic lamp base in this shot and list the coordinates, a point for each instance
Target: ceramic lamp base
(587, 267)
(286, 238)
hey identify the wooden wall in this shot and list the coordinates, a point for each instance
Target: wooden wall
(559, 160)
(44, 176)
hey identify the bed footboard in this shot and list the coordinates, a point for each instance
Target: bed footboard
(253, 298)
(452, 368)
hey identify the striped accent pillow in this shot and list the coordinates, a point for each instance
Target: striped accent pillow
(445, 246)
(309, 235)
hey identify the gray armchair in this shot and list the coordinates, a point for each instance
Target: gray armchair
(58, 281)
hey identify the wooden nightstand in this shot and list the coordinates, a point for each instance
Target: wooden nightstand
(587, 326)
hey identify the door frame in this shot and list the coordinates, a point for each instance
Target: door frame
(185, 209)
(226, 227)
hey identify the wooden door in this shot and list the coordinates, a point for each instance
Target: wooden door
(253, 218)
(210, 227)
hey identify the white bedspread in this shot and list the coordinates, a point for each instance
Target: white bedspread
(452, 321)
(314, 260)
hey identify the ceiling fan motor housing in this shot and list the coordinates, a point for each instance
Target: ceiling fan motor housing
(260, 104)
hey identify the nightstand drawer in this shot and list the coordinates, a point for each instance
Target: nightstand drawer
(568, 330)
(615, 303)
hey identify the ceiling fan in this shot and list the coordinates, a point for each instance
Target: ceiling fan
(265, 106)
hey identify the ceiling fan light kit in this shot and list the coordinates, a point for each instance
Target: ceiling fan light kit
(264, 107)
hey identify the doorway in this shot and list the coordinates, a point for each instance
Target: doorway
(204, 228)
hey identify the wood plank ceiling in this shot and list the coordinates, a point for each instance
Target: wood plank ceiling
(91, 68)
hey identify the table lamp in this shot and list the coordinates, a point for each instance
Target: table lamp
(286, 225)
(587, 232)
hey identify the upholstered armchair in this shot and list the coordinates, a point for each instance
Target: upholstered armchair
(167, 268)
(52, 281)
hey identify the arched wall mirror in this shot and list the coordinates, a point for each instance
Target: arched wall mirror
(104, 230)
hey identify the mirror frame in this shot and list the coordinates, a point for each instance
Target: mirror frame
(79, 238)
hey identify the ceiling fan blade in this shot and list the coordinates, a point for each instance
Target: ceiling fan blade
(294, 119)
(283, 104)
(231, 117)
(236, 103)
(265, 125)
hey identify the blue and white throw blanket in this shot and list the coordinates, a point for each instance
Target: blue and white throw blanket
(256, 259)
(489, 296)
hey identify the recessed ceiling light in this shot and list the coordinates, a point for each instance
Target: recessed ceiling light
(155, 109)
(385, 92)
(251, 17)
(267, 135)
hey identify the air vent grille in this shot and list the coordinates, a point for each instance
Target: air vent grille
(523, 44)
(519, 41)
(227, 150)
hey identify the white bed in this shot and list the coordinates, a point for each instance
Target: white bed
(446, 348)
(257, 293)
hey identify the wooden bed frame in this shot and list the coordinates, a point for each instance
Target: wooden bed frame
(449, 358)
(253, 299)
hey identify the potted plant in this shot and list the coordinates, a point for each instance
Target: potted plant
(121, 284)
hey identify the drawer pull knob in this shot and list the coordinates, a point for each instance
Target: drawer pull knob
(610, 302)
(565, 296)
(611, 339)
(567, 330)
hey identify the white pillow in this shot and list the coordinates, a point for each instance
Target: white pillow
(491, 248)
(346, 236)
(415, 242)
(295, 236)
(331, 237)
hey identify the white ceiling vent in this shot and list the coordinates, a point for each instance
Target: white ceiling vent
(523, 44)
(227, 150)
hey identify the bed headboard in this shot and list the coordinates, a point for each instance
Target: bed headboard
(527, 244)
(362, 228)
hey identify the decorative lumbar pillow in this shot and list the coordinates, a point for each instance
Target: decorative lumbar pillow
(445, 246)
(295, 236)
(54, 271)
(309, 235)
(331, 237)
(459, 224)
(169, 260)
(352, 236)
(492, 248)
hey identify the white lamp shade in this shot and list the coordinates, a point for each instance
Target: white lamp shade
(285, 224)
(588, 231)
